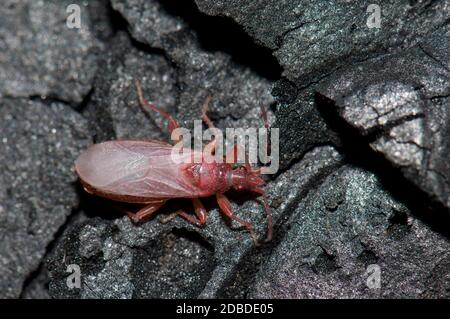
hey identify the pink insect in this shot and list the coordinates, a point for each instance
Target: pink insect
(143, 172)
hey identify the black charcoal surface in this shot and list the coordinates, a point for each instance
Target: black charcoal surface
(312, 38)
(40, 55)
(401, 104)
(39, 143)
(237, 92)
(348, 234)
(363, 115)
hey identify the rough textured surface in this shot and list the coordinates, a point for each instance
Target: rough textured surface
(114, 109)
(401, 103)
(340, 229)
(41, 56)
(42, 61)
(236, 91)
(38, 146)
(313, 39)
(148, 20)
(301, 124)
(310, 38)
(119, 260)
(364, 131)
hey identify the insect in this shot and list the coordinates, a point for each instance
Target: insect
(143, 172)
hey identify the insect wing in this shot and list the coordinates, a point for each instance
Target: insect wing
(134, 168)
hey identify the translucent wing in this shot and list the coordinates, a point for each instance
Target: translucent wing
(134, 168)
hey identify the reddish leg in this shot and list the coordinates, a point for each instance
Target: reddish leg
(225, 206)
(264, 116)
(200, 211)
(205, 117)
(145, 213)
(211, 146)
(200, 214)
(149, 107)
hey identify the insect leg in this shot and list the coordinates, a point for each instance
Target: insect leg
(147, 106)
(190, 218)
(211, 146)
(145, 213)
(205, 117)
(268, 213)
(200, 210)
(199, 219)
(264, 116)
(225, 206)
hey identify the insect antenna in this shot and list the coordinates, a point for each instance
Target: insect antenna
(266, 125)
(262, 192)
(150, 107)
(268, 214)
(264, 116)
(269, 219)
